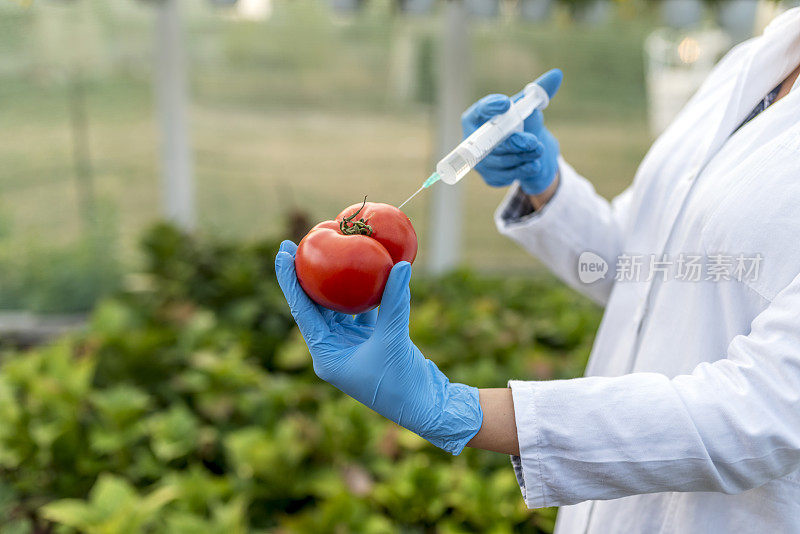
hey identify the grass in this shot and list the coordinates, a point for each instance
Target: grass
(297, 111)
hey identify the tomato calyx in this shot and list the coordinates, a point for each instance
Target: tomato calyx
(360, 227)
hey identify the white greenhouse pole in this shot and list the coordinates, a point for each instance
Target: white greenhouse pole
(171, 100)
(453, 87)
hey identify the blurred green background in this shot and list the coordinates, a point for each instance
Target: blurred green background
(301, 111)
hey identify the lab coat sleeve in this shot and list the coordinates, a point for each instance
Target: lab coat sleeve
(574, 221)
(729, 426)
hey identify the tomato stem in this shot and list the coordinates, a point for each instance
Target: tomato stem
(360, 227)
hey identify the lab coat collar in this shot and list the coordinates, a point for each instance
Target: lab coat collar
(775, 56)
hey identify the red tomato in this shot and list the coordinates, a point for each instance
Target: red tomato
(344, 264)
(390, 227)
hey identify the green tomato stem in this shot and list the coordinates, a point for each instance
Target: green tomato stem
(360, 227)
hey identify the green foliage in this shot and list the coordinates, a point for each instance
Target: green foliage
(190, 405)
(56, 279)
(113, 506)
(45, 278)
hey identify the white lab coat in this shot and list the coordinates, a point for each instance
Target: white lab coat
(689, 418)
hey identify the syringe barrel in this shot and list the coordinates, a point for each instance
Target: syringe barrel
(482, 141)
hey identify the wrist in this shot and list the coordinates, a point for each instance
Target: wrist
(539, 200)
(499, 429)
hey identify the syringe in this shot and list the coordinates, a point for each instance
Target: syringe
(455, 165)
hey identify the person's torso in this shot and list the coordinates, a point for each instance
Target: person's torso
(733, 201)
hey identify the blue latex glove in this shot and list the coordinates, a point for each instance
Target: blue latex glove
(529, 157)
(371, 358)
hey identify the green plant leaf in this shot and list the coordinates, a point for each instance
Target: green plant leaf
(70, 512)
(173, 433)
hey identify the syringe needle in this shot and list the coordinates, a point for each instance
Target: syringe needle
(432, 179)
(412, 196)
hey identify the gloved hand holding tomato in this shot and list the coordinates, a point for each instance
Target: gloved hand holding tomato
(344, 264)
(370, 356)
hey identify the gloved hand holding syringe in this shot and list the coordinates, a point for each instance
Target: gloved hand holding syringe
(487, 137)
